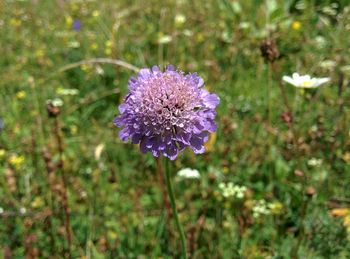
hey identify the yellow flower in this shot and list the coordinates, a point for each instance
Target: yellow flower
(21, 94)
(346, 157)
(211, 142)
(275, 207)
(96, 13)
(39, 53)
(296, 25)
(200, 37)
(340, 212)
(94, 46)
(69, 21)
(16, 161)
(109, 44)
(112, 235)
(74, 129)
(2, 153)
(108, 51)
(37, 203)
(85, 67)
(180, 19)
(15, 22)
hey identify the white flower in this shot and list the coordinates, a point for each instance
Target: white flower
(22, 210)
(1, 210)
(165, 39)
(305, 81)
(180, 19)
(231, 190)
(314, 162)
(188, 173)
(65, 91)
(260, 208)
(57, 102)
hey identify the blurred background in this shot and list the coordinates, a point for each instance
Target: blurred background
(274, 180)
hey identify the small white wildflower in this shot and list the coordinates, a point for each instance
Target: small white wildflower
(328, 64)
(66, 91)
(244, 25)
(320, 42)
(260, 208)
(314, 162)
(165, 39)
(231, 190)
(99, 70)
(98, 151)
(188, 33)
(188, 173)
(57, 102)
(1, 210)
(305, 81)
(22, 210)
(74, 44)
(180, 19)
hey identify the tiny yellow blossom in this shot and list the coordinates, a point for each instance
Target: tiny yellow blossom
(94, 46)
(37, 203)
(112, 235)
(15, 22)
(85, 67)
(200, 37)
(21, 94)
(39, 53)
(96, 13)
(69, 21)
(180, 19)
(296, 25)
(339, 212)
(108, 51)
(73, 129)
(16, 161)
(346, 157)
(2, 153)
(276, 207)
(109, 43)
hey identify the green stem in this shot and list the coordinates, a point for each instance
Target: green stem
(173, 206)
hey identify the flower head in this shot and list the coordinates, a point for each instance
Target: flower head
(21, 94)
(296, 25)
(305, 81)
(188, 173)
(166, 111)
(76, 26)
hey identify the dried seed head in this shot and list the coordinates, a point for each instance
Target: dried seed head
(269, 50)
(52, 110)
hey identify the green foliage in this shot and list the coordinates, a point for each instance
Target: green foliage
(294, 173)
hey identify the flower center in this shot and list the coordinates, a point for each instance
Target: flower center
(306, 83)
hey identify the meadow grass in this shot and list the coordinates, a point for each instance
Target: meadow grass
(71, 189)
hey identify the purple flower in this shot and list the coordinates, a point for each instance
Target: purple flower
(76, 26)
(166, 111)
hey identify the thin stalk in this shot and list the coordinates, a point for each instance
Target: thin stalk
(268, 93)
(173, 206)
(166, 203)
(305, 200)
(64, 186)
